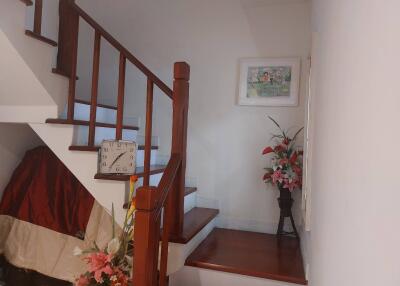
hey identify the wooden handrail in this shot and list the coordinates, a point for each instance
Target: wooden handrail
(123, 50)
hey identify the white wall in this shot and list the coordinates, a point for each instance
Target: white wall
(36, 55)
(225, 140)
(16, 139)
(355, 203)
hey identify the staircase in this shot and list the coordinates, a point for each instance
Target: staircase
(74, 128)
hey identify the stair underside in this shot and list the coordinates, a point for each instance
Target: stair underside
(86, 123)
(194, 221)
(252, 254)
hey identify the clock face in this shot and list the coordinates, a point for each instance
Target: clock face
(117, 157)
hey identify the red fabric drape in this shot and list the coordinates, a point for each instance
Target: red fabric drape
(44, 192)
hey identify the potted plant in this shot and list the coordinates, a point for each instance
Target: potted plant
(285, 172)
(113, 265)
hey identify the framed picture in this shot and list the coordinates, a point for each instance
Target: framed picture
(269, 82)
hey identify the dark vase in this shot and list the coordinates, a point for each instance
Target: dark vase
(285, 204)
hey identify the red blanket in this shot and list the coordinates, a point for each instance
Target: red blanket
(44, 192)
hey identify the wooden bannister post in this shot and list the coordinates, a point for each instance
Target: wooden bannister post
(179, 138)
(146, 238)
(37, 20)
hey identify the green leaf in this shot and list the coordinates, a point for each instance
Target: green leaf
(274, 121)
(113, 218)
(297, 133)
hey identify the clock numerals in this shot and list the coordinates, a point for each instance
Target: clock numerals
(117, 157)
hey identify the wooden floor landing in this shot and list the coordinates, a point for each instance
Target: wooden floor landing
(250, 253)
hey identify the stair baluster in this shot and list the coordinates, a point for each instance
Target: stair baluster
(73, 37)
(95, 85)
(121, 93)
(148, 132)
(37, 20)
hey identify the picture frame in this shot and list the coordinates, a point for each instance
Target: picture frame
(269, 81)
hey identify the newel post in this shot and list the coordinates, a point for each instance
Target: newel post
(146, 238)
(179, 138)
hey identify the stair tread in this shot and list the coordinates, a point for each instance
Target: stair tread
(82, 101)
(194, 221)
(40, 38)
(60, 72)
(188, 191)
(154, 169)
(27, 2)
(97, 148)
(252, 254)
(86, 123)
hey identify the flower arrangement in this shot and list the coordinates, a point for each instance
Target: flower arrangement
(286, 161)
(112, 266)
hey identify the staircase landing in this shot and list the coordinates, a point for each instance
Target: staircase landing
(250, 253)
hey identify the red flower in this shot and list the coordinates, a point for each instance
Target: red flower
(99, 264)
(293, 158)
(267, 150)
(283, 161)
(297, 170)
(291, 185)
(286, 141)
(82, 281)
(280, 148)
(267, 176)
(277, 176)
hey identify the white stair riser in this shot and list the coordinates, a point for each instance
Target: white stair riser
(106, 115)
(190, 202)
(194, 276)
(81, 135)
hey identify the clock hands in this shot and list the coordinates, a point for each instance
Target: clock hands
(116, 159)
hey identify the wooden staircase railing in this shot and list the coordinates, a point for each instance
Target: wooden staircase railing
(169, 195)
(150, 201)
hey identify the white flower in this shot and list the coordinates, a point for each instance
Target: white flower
(114, 278)
(77, 251)
(113, 246)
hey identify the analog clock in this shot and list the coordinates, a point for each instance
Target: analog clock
(117, 157)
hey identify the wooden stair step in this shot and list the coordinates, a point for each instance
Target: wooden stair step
(252, 254)
(40, 38)
(188, 191)
(27, 2)
(86, 123)
(154, 169)
(62, 73)
(82, 101)
(194, 221)
(97, 148)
